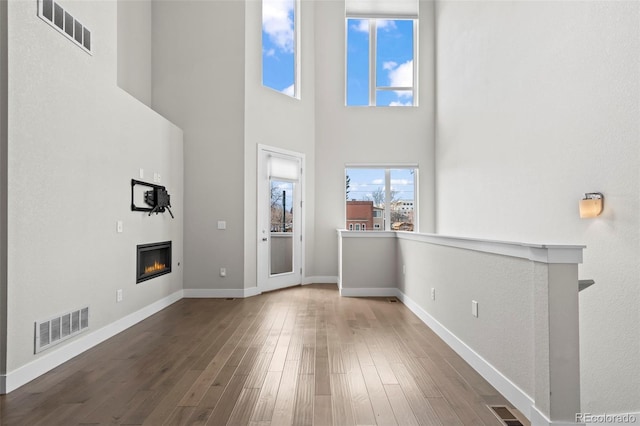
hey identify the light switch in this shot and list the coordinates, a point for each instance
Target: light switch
(222, 224)
(119, 226)
(141, 173)
(474, 308)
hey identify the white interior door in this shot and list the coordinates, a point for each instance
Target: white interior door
(279, 218)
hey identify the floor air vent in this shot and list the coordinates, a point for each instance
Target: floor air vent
(505, 415)
(392, 300)
(55, 330)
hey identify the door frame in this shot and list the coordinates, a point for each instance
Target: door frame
(262, 261)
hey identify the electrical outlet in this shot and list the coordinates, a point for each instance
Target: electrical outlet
(433, 293)
(119, 295)
(222, 224)
(119, 226)
(141, 173)
(474, 308)
(223, 272)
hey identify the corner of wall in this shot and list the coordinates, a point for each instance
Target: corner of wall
(3, 189)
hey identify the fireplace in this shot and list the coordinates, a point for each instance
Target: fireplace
(153, 260)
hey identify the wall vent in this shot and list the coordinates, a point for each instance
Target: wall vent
(58, 329)
(53, 14)
(505, 415)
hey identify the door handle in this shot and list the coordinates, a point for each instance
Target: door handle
(264, 239)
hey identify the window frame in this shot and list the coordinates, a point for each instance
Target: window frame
(373, 46)
(387, 167)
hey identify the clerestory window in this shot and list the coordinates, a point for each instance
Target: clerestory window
(381, 52)
(381, 66)
(280, 56)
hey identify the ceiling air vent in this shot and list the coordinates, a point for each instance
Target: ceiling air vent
(53, 14)
(505, 415)
(58, 329)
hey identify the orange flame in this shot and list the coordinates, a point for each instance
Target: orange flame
(155, 267)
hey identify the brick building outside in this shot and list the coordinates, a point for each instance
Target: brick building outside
(364, 216)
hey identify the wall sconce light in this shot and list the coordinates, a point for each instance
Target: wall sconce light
(591, 205)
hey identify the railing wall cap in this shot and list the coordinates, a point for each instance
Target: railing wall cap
(543, 253)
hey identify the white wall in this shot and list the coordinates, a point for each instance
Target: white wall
(134, 48)
(277, 120)
(538, 102)
(75, 140)
(368, 262)
(365, 135)
(503, 287)
(198, 83)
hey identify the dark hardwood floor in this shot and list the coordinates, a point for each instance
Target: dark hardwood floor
(300, 356)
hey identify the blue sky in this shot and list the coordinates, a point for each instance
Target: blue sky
(278, 43)
(394, 61)
(365, 181)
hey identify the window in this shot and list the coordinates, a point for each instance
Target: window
(279, 46)
(351, 227)
(381, 62)
(374, 194)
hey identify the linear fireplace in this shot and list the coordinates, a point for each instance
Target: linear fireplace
(153, 260)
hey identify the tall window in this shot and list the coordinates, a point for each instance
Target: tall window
(381, 65)
(279, 46)
(381, 198)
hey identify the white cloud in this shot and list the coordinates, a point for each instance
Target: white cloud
(378, 181)
(387, 25)
(289, 90)
(390, 65)
(401, 76)
(270, 52)
(400, 103)
(277, 22)
(361, 25)
(401, 181)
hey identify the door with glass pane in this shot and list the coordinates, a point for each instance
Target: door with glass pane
(279, 218)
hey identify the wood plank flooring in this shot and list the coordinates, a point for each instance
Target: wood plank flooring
(299, 356)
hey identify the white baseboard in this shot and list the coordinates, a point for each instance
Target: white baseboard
(369, 292)
(220, 293)
(251, 291)
(23, 375)
(520, 400)
(320, 280)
